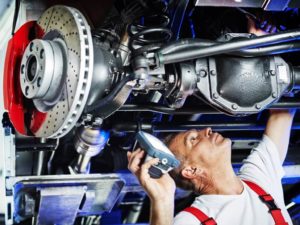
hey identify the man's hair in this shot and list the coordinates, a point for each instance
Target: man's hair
(180, 180)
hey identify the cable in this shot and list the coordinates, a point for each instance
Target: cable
(16, 14)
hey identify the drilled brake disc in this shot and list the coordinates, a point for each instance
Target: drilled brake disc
(67, 27)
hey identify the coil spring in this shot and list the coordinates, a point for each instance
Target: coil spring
(149, 33)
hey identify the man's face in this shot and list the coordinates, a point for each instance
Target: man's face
(203, 148)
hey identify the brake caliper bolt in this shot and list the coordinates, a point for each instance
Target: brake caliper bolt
(258, 106)
(274, 95)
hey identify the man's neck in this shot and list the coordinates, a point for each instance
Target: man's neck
(224, 183)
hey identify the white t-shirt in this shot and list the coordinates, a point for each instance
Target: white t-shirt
(264, 168)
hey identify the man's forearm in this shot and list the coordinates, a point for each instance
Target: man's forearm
(278, 129)
(162, 212)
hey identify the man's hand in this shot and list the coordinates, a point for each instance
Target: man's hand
(278, 129)
(160, 191)
(157, 189)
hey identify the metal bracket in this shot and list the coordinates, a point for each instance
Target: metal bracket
(61, 198)
(59, 205)
(9, 170)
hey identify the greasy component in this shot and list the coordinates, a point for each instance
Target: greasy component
(187, 83)
(41, 74)
(106, 68)
(21, 117)
(255, 85)
(89, 143)
(74, 30)
(242, 85)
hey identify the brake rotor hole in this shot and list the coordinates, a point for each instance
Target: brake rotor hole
(42, 52)
(22, 68)
(26, 90)
(31, 46)
(39, 81)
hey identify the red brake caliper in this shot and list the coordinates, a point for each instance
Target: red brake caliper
(22, 113)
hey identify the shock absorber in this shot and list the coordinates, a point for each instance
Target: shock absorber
(149, 33)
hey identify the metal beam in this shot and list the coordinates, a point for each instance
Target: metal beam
(179, 127)
(199, 109)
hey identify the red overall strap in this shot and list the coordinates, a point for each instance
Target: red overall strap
(265, 198)
(203, 218)
(269, 201)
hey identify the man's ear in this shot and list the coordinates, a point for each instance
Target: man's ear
(191, 172)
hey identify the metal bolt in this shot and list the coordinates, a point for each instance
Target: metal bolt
(258, 106)
(274, 95)
(213, 72)
(203, 73)
(215, 95)
(87, 118)
(234, 106)
(272, 72)
(98, 121)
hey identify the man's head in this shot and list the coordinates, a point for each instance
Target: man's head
(203, 154)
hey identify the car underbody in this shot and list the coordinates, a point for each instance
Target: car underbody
(81, 78)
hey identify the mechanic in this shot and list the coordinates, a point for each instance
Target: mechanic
(206, 169)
